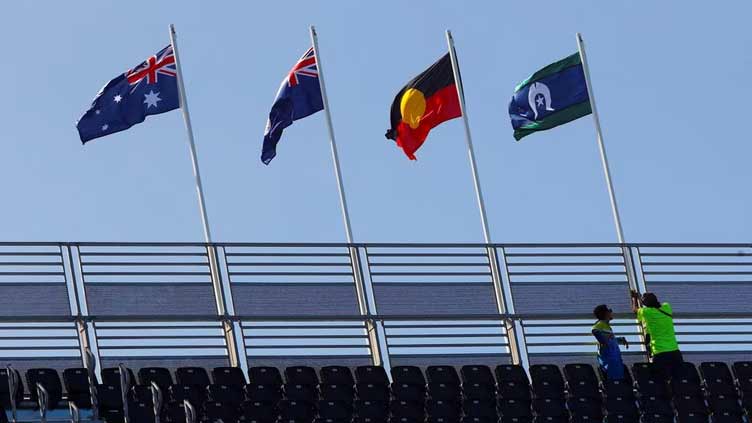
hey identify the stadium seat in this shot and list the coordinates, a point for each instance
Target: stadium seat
(550, 410)
(581, 381)
(263, 393)
(371, 374)
(480, 410)
(110, 404)
(227, 394)
(298, 392)
(49, 379)
(443, 383)
(511, 372)
(585, 409)
(336, 375)
(231, 376)
(296, 411)
(334, 412)
(514, 411)
(647, 383)
(174, 412)
(718, 379)
(265, 375)
(409, 384)
(477, 382)
(76, 383)
(258, 412)
(158, 375)
(301, 375)
(216, 412)
(627, 375)
(196, 376)
(141, 393)
(406, 411)
(656, 409)
(689, 383)
(195, 394)
(367, 411)
(690, 408)
(621, 409)
(743, 374)
(372, 392)
(337, 393)
(720, 404)
(141, 412)
(618, 388)
(111, 376)
(547, 381)
(440, 411)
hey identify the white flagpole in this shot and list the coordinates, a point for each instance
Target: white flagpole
(604, 158)
(468, 138)
(333, 143)
(191, 143)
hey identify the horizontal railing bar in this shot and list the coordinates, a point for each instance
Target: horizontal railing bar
(458, 346)
(558, 283)
(132, 264)
(287, 255)
(296, 264)
(426, 255)
(529, 264)
(333, 346)
(31, 263)
(29, 254)
(304, 336)
(291, 273)
(566, 273)
(563, 254)
(115, 338)
(372, 245)
(32, 274)
(146, 273)
(360, 325)
(139, 254)
(697, 263)
(448, 335)
(488, 324)
(696, 273)
(430, 273)
(695, 254)
(382, 264)
(153, 347)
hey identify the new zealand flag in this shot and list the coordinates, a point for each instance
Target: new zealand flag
(150, 88)
(298, 96)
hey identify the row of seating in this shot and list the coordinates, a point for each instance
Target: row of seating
(441, 394)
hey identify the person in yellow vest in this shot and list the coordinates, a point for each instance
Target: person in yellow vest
(658, 323)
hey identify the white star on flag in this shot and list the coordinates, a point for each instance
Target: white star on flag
(118, 98)
(151, 99)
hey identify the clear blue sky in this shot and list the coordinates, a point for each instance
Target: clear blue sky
(670, 78)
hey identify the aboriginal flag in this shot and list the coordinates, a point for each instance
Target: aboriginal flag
(425, 102)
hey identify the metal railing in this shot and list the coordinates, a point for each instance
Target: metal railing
(242, 304)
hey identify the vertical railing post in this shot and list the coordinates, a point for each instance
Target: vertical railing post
(87, 331)
(367, 307)
(505, 303)
(641, 288)
(225, 308)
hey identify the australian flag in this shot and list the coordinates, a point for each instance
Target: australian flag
(298, 96)
(150, 88)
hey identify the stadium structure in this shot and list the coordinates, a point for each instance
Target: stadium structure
(194, 332)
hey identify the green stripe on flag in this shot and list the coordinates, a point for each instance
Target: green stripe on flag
(553, 68)
(555, 119)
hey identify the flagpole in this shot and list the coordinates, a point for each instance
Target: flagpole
(468, 138)
(191, 143)
(599, 135)
(333, 143)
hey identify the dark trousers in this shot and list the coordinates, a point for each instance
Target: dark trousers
(668, 365)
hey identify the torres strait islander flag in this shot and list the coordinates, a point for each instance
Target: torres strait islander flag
(425, 102)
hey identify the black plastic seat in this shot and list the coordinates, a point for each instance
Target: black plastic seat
(110, 405)
(301, 375)
(581, 381)
(547, 381)
(217, 411)
(627, 375)
(50, 381)
(298, 392)
(443, 383)
(718, 379)
(656, 410)
(406, 411)
(477, 382)
(336, 375)
(743, 374)
(111, 376)
(192, 376)
(375, 375)
(159, 375)
(690, 406)
(688, 384)
(483, 410)
(264, 375)
(332, 392)
(230, 376)
(724, 404)
(647, 381)
(334, 411)
(618, 388)
(367, 411)
(296, 411)
(141, 393)
(511, 372)
(141, 412)
(440, 411)
(514, 411)
(76, 383)
(195, 394)
(228, 394)
(514, 390)
(585, 410)
(409, 384)
(621, 409)
(550, 407)
(258, 412)
(408, 374)
(263, 393)
(174, 412)
(372, 392)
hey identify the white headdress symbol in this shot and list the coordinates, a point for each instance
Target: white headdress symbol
(536, 89)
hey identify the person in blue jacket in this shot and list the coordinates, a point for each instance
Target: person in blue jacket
(609, 354)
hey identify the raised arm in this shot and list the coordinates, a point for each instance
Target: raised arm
(636, 300)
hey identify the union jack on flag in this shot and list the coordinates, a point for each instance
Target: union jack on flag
(148, 89)
(306, 66)
(299, 96)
